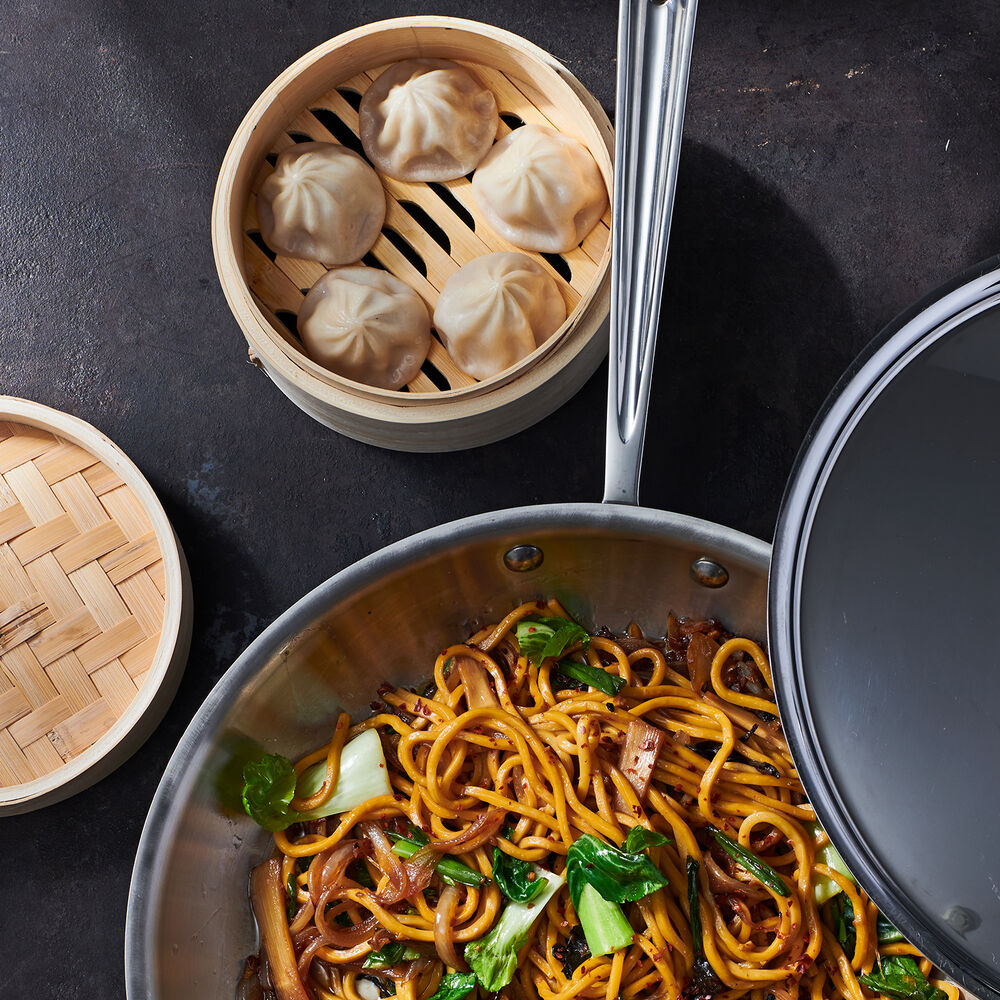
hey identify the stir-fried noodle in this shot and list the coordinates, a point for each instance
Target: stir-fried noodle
(534, 750)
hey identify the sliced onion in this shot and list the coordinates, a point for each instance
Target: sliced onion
(334, 934)
(481, 832)
(267, 895)
(703, 625)
(725, 885)
(444, 941)
(673, 631)
(420, 868)
(303, 917)
(700, 653)
(411, 970)
(329, 868)
(391, 865)
(310, 941)
(406, 879)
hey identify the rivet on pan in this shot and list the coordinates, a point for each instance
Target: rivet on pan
(709, 573)
(522, 558)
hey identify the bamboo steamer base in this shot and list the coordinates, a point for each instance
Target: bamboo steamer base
(508, 411)
(430, 231)
(94, 606)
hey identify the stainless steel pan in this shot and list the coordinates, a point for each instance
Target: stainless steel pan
(189, 925)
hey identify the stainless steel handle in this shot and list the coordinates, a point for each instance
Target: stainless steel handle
(654, 57)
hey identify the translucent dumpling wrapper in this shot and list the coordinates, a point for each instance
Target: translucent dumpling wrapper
(427, 120)
(496, 310)
(366, 325)
(540, 190)
(322, 202)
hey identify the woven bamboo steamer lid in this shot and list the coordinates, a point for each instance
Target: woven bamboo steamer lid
(430, 231)
(95, 606)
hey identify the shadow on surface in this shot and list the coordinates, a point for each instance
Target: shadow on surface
(754, 331)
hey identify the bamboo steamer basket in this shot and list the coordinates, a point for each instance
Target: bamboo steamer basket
(95, 606)
(430, 231)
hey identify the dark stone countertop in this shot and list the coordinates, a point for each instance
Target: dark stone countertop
(839, 163)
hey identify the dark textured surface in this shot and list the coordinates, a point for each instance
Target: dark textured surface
(840, 161)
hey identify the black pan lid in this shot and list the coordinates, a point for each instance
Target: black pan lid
(883, 599)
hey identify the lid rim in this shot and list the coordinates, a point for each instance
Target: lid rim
(911, 333)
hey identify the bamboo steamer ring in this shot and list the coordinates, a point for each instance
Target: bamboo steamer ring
(529, 83)
(90, 568)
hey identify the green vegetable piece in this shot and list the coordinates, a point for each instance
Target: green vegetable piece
(619, 876)
(268, 788)
(450, 871)
(418, 835)
(539, 638)
(640, 839)
(694, 909)
(359, 872)
(515, 878)
(704, 980)
(455, 985)
(363, 776)
(842, 913)
(601, 876)
(899, 977)
(493, 958)
(269, 783)
(235, 753)
(760, 870)
(825, 888)
(603, 922)
(291, 887)
(887, 934)
(392, 954)
(594, 677)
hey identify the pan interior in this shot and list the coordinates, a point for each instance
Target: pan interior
(189, 926)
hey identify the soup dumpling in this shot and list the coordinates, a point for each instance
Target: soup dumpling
(427, 120)
(322, 202)
(540, 190)
(496, 310)
(366, 325)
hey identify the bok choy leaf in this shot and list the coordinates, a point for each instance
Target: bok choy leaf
(269, 783)
(493, 958)
(621, 876)
(601, 876)
(825, 888)
(539, 638)
(594, 677)
(899, 977)
(455, 985)
(515, 878)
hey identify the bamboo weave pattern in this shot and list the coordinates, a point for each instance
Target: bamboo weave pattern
(81, 600)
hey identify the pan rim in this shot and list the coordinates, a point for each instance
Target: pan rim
(181, 770)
